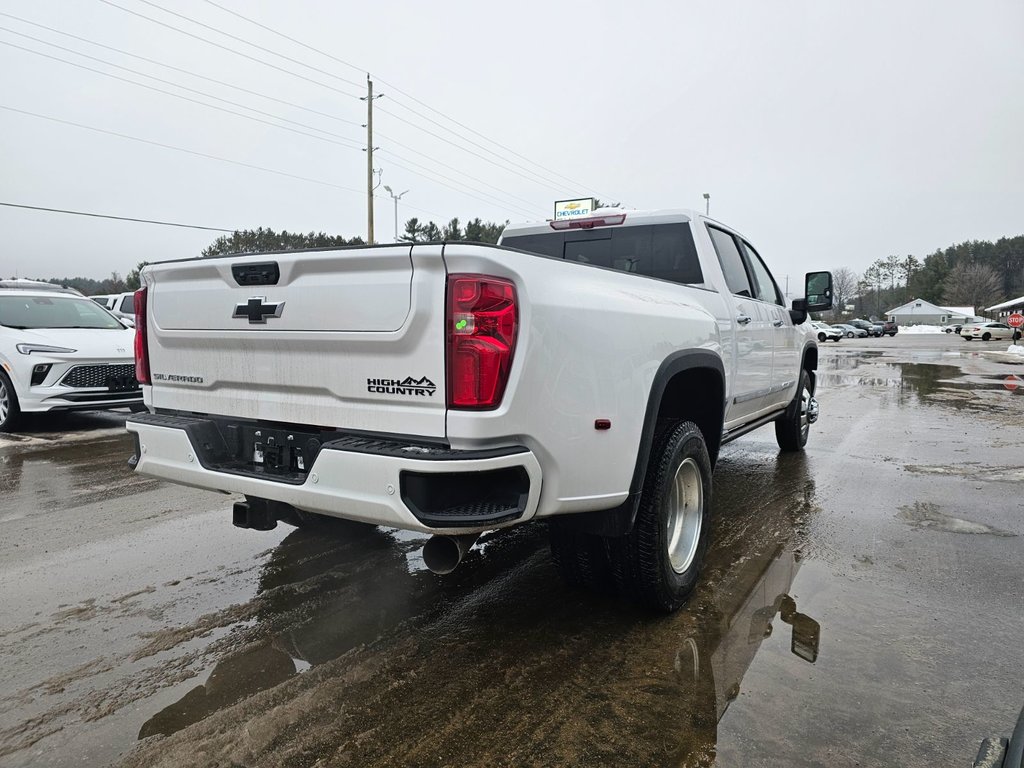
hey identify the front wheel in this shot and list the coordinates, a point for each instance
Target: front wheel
(10, 412)
(658, 562)
(793, 426)
(849, 334)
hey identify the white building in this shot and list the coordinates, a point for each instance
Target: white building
(921, 312)
(1007, 308)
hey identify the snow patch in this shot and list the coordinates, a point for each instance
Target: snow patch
(1015, 349)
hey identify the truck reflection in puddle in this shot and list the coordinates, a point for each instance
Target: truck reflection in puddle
(507, 662)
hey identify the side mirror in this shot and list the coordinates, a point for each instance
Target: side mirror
(817, 296)
(818, 291)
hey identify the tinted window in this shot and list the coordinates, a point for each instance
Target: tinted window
(128, 304)
(664, 251)
(763, 282)
(53, 312)
(732, 263)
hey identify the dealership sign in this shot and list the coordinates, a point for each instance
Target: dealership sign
(571, 209)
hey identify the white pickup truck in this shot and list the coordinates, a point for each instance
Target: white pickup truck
(583, 372)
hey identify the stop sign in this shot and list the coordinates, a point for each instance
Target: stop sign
(1016, 320)
(1011, 382)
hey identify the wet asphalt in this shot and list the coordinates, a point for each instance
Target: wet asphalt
(862, 604)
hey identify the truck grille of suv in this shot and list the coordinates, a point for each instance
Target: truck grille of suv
(96, 376)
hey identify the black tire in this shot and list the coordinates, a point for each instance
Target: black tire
(986, 336)
(581, 558)
(10, 411)
(642, 564)
(947, 330)
(793, 427)
(849, 334)
(821, 336)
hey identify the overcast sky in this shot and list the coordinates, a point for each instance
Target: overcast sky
(831, 134)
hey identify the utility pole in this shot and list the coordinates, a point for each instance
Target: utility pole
(707, 203)
(369, 156)
(396, 198)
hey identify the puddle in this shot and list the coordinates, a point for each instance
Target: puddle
(929, 382)
(926, 515)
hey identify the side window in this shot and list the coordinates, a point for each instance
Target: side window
(732, 262)
(674, 255)
(128, 304)
(764, 286)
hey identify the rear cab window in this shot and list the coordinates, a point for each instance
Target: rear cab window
(663, 251)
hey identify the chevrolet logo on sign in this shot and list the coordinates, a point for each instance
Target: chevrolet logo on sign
(571, 209)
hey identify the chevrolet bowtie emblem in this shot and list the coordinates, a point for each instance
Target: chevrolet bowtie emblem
(257, 309)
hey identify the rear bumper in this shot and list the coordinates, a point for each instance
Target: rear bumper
(375, 481)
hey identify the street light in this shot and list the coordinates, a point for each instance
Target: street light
(707, 203)
(396, 198)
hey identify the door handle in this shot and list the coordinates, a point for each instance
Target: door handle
(743, 319)
(777, 323)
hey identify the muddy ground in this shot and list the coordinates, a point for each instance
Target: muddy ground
(863, 604)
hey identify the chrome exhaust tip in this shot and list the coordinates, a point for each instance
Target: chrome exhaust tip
(442, 554)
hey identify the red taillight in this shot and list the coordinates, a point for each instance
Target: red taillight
(141, 338)
(481, 324)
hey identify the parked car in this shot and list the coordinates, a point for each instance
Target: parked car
(986, 331)
(826, 331)
(889, 327)
(851, 331)
(123, 306)
(106, 300)
(873, 329)
(59, 351)
(955, 328)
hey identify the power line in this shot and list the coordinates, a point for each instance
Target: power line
(352, 144)
(344, 141)
(231, 50)
(469, 151)
(244, 41)
(399, 90)
(475, 132)
(114, 5)
(168, 66)
(177, 149)
(436, 176)
(537, 178)
(205, 155)
(117, 218)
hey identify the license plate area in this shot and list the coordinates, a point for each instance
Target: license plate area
(285, 453)
(126, 383)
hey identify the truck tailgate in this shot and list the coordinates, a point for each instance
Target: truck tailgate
(348, 338)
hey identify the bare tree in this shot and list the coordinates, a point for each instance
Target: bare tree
(975, 285)
(844, 287)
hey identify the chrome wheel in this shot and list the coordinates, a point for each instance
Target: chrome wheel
(5, 402)
(685, 516)
(808, 412)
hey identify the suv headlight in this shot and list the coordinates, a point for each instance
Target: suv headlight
(28, 349)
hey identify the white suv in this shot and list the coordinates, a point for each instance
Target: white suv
(61, 351)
